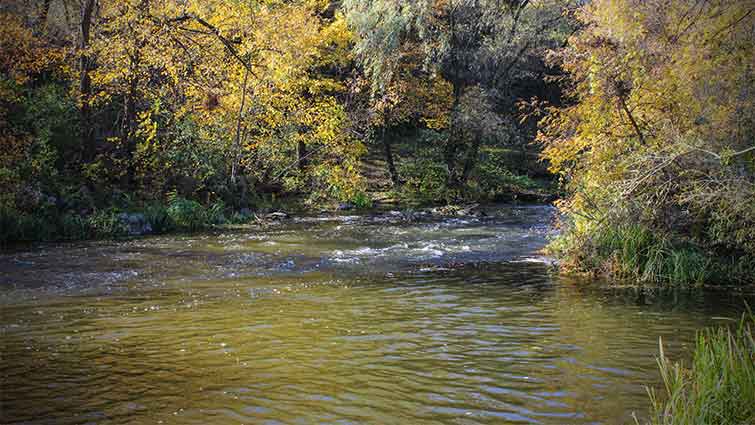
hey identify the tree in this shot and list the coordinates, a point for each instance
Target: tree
(411, 96)
(30, 66)
(228, 66)
(660, 131)
(85, 81)
(474, 45)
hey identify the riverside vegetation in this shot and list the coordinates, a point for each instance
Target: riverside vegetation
(166, 108)
(718, 387)
(150, 116)
(656, 147)
(642, 112)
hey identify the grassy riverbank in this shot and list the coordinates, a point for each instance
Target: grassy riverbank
(637, 254)
(75, 212)
(110, 223)
(659, 169)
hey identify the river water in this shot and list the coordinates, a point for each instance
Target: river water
(342, 320)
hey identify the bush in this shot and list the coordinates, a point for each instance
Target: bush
(187, 214)
(634, 252)
(18, 226)
(48, 224)
(158, 217)
(361, 200)
(239, 218)
(216, 214)
(718, 388)
(493, 177)
(425, 181)
(107, 224)
(75, 227)
(8, 224)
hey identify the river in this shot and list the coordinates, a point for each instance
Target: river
(342, 320)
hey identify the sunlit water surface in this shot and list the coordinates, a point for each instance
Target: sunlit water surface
(349, 320)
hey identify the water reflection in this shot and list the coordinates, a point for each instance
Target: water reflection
(180, 342)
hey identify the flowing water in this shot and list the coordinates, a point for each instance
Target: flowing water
(345, 320)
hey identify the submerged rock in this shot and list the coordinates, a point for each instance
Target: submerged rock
(472, 210)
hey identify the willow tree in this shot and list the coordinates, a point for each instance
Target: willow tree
(474, 45)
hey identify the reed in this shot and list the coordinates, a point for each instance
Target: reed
(719, 386)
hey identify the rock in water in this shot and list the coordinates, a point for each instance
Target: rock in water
(278, 215)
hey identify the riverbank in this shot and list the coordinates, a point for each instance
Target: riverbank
(636, 253)
(180, 215)
(636, 261)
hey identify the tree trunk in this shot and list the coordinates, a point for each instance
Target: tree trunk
(636, 127)
(128, 129)
(237, 142)
(128, 132)
(85, 83)
(471, 160)
(43, 14)
(452, 146)
(302, 153)
(387, 149)
(450, 157)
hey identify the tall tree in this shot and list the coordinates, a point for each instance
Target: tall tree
(475, 45)
(85, 82)
(660, 130)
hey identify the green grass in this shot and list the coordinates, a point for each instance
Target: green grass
(53, 225)
(361, 201)
(635, 253)
(719, 386)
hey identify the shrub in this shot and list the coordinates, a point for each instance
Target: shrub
(634, 252)
(49, 224)
(494, 179)
(425, 181)
(16, 226)
(8, 224)
(158, 217)
(74, 227)
(239, 218)
(719, 386)
(216, 214)
(107, 224)
(187, 214)
(361, 200)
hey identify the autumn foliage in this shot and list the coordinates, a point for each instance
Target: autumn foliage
(658, 140)
(211, 99)
(642, 110)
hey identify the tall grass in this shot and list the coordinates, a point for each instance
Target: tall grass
(633, 252)
(190, 215)
(718, 388)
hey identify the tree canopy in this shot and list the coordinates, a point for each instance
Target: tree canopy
(660, 130)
